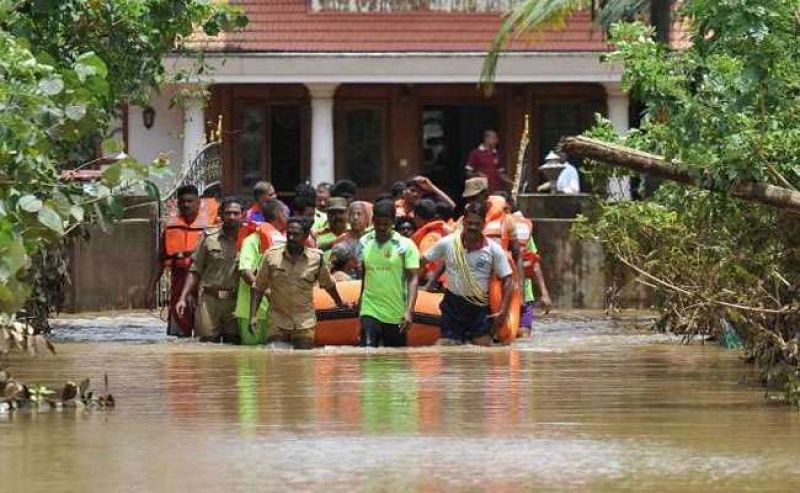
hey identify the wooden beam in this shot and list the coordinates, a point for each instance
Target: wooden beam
(643, 162)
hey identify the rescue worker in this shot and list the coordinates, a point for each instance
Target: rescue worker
(429, 230)
(181, 235)
(337, 223)
(266, 235)
(390, 263)
(498, 224)
(532, 269)
(214, 271)
(288, 273)
(471, 259)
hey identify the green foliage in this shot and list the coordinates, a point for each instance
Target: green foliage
(727, 107)
(66, 67)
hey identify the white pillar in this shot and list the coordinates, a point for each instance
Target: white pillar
(322, 132)
(618, 104)
(194, 136)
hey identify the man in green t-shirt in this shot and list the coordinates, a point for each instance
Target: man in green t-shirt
(390, 263)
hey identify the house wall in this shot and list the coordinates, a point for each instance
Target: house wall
(402, 106)
(165, 136)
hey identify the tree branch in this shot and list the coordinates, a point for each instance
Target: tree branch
(643, 162)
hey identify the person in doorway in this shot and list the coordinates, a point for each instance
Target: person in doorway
(179, 240)
(485, 160)
(429, 230)
(470, 261)
(337, 223)
(288, 274)
(214, 270)
(390, 263)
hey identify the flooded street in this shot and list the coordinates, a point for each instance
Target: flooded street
(585, 406)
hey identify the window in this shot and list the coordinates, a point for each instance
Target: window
(269, 146)
(251, 147)
(361, 150)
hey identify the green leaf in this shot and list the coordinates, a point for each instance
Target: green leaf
(77, 212)
(50, 218)
(29, 203)
(75, 111)
(51, 86)
(115, 207)
(3, 208)
(112, 146)
(112, 173)
(97, 64)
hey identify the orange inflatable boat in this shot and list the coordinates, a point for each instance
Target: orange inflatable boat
(340, 327)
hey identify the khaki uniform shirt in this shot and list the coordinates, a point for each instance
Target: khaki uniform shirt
(215, 260)
(291, 285)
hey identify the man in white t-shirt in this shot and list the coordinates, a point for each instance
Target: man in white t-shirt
(470, 261)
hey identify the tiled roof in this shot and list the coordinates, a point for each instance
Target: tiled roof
(291, 25)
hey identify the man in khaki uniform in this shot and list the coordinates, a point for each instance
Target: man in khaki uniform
(214, 268)
(288, 273)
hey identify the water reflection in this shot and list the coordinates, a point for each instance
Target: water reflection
(581, 408)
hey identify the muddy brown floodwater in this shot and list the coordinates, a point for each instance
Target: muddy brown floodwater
(585, 406)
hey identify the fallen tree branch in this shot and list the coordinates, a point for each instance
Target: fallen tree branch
(684, 292)
(643, 162)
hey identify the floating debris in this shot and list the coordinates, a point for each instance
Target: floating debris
(16, 395)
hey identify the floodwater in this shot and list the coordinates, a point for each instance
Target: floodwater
(585, 406)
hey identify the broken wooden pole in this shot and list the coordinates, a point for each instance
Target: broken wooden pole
(644, 162)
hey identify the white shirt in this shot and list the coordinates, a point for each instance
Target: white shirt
(483, 262)
(568, 180)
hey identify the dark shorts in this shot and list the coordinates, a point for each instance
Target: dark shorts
(375, 333)
(461, 320)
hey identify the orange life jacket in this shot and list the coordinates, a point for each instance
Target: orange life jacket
(268, 235)
(523, 228)
(181, 238)
(439, 228)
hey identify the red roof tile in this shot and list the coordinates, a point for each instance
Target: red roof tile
(291, 25)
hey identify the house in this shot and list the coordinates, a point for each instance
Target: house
(377, 91)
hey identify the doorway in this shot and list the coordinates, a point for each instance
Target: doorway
(269, 147)
(449, 133)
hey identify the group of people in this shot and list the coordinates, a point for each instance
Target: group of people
(246, 272)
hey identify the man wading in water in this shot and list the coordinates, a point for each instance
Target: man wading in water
(470, 261)
(289, 272)
(391, 274)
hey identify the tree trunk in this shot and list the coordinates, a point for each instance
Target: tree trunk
(643, 162)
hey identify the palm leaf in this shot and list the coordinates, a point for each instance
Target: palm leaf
(530, 16)
(536, 15)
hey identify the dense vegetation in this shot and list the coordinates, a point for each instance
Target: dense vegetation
(67, 67)
(728, 108)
